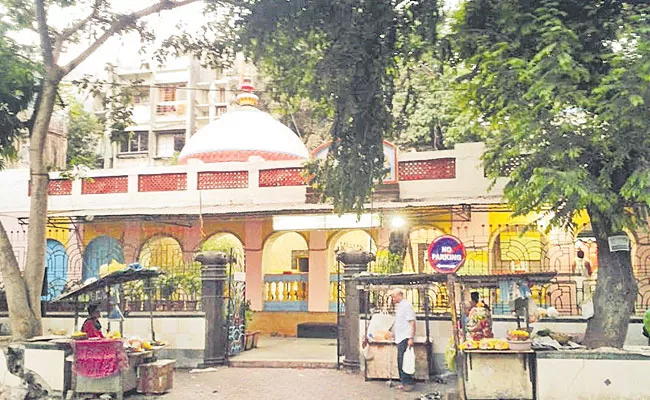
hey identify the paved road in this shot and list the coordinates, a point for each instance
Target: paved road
(283, 384)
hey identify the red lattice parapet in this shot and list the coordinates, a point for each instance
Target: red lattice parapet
(281, 177)
(162, 182)
(56, 187)
(222, 180)
(105, 185)
(439, 168)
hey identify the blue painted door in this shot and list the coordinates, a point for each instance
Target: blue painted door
(101, 250)
(56, 262)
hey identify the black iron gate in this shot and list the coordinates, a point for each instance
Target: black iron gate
(235, 310)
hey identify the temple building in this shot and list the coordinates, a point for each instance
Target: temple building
(239, 187)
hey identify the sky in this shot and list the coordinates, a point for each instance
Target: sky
(123, 50)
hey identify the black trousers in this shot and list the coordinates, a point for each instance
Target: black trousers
(406, 379)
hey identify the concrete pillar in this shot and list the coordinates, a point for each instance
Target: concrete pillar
(354, 262)
(319, 274)
(213, 276)
(253, 245)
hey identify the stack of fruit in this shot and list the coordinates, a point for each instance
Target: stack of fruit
(519, 339)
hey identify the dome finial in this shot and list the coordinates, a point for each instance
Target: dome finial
(247, 98)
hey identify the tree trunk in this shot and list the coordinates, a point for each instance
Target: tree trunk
(615, 293)
(39, 179)
(21, 316)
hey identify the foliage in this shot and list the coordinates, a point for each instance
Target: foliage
(561, 88)
(342, 55)
(388, 262)
(19, 84)
(552, 88)
(84, 134)
(134, 291)
(79, 38)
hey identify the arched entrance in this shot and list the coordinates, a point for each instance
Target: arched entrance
(101, 250)
(229, 244)
(285, 272)
(56, 264)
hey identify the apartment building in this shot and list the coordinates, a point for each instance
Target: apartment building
(173, 102)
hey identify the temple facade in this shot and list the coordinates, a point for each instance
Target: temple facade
(239, 187)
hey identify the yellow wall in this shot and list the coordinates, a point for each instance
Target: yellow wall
(278, 250)
(62, 235)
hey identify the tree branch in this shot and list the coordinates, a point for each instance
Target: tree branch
(43, 32)
(120, 24)
(67, 32)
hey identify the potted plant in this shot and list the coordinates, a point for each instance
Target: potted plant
(191, 284)
(134, 294)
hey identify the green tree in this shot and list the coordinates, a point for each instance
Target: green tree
(84, 134)
(19, 80)
(88, 33)
(562, 87)
(343, 55)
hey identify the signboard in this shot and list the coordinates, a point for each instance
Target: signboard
(446, 254)
(618, 243)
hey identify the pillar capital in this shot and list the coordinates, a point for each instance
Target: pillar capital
(355, 261)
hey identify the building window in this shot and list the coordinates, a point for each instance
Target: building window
(221, 110)
(170, 143)
(221, 95)
(168, 93)
(136, 142)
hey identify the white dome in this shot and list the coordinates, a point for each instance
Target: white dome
(243, 133)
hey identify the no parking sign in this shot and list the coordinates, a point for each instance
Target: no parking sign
(446, 254)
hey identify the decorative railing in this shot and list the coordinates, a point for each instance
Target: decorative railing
(286, 292)
(444, 168)
(336, 288)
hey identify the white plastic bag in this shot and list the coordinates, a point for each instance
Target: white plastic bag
(408, 363)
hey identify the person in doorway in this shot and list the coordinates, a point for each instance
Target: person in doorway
(92, 327)
(404, 327)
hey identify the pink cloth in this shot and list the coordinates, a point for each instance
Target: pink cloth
(99, 358)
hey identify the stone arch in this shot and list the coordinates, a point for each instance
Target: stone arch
(518, 248)
(353, 239)
(101, 250)
(56, 264)
(164, 252)
(228, 243)
(281, 252)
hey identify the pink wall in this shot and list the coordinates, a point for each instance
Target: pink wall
(319, 276)
(253, 244)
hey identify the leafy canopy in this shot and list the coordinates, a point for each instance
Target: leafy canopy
(342, 55)
(562, 88)
(19, 78)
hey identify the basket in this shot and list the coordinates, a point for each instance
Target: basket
(519, 345)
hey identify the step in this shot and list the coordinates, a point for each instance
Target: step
(306, 364)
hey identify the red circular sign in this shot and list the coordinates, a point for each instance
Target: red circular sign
(446, 254)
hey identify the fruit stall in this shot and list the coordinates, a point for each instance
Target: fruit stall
(113, 364)
(497, 368)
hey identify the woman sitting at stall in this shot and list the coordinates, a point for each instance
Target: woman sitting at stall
(92, 327)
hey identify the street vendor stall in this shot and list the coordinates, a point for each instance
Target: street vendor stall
(114, 364)
(498, 368)
(380, 351)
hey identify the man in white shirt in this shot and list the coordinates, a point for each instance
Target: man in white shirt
(404, 328)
